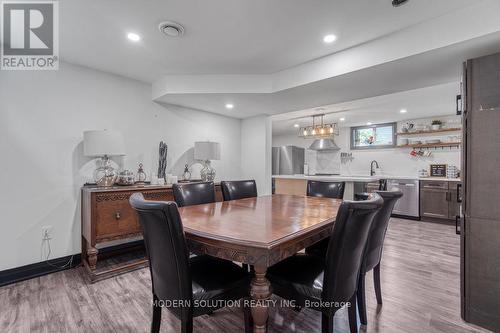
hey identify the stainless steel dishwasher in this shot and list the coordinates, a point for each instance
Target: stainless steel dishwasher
(409, 204)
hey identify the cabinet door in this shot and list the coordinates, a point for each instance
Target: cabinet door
(434, 203)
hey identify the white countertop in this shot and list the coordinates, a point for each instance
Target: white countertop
(442, 179)
(331, 178)
(359, 178)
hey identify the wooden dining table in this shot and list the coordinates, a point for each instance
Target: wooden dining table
(261, 232)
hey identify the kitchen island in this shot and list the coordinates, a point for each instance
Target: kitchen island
(297, 184)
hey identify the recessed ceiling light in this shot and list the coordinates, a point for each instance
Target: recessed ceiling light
(368, 123)
(329, 38)
(133, 37)
(403, 111)
(342, 119)
(296, 125)
(229, 106)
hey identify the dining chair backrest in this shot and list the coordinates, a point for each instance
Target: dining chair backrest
(194, 193)
(375, 242)
(346, 248)
(165, 247)
(334, 190)
(238, 189)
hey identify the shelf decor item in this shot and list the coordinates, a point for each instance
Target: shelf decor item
(187, 174)
(436, 125)
(162, 163)
(103, 143)
(126, 177)
(207, 151)
(141, 175)
(438, 170)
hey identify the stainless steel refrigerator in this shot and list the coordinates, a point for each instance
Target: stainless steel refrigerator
(480, 192)
(288, 160)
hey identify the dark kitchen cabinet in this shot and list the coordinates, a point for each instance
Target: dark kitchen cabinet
(438, 199)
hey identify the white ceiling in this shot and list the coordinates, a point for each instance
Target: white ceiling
(227, 36)
(435, 67)
(420, 103)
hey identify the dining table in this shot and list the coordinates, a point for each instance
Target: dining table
(259, 231)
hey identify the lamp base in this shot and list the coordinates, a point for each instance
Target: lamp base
(105, 175)
(207, 173)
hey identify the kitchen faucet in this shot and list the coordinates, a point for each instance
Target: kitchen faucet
(372, 171)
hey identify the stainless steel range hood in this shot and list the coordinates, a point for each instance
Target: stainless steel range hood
(324, 144)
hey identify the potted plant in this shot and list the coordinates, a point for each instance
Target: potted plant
(436, 125)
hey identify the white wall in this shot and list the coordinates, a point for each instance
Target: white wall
(256, 137)
(394, 161)
(42, 117)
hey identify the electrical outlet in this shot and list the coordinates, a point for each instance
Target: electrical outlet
(47, 232)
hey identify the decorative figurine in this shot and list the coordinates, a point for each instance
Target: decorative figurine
(141, 175)
(162, 160)
(187, 174)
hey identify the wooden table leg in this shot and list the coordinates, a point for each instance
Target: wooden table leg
(260, 292)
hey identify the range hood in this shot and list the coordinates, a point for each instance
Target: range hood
(324, 144)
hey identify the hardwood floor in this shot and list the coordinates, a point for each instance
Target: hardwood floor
(420, 290)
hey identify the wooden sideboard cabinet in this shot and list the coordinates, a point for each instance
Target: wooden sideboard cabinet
(108, 220)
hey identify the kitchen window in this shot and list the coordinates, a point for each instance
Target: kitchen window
(373, 136)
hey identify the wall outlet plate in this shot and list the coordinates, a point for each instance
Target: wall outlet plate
(47, 232)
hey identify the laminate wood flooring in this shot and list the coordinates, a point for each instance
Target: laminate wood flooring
(420, 287)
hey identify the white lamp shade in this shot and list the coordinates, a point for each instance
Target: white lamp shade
(206, 151)
(103, 142)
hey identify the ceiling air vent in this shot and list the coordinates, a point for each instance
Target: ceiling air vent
(171, 29)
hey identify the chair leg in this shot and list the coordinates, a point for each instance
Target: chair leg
(156, 321)
(353, 322)
(326, 323)
(187, 325)
(362, 299)
(376, 282)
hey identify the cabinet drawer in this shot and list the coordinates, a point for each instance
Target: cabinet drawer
(114, 217)
(434, 184)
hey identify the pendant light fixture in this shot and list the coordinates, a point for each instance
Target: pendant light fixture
(319, 129)
(323, 133)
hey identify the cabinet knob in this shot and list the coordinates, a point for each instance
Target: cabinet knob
(118, 215)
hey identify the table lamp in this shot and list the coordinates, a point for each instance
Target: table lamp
(207, 151)
(103, 143)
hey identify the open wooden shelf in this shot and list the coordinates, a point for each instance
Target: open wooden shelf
(432, 145)
(430, 132)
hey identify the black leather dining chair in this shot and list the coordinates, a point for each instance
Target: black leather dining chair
(193, 193)
(373, 253)
(326, 283)
(238, 189)
(334, 190)
(177, 277)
